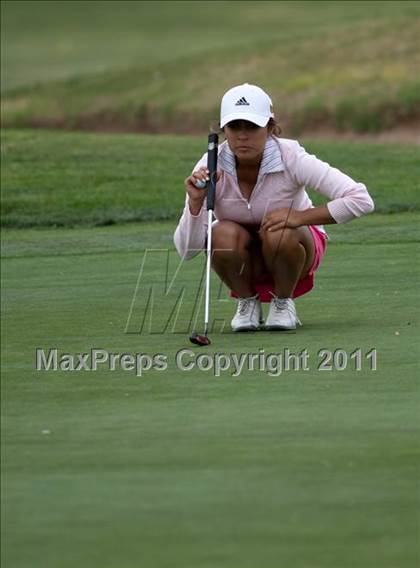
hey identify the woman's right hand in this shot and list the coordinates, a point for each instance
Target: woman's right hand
(196, 196)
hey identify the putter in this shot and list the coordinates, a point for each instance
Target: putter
(213, 141)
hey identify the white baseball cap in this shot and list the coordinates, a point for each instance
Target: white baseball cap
(246, 102)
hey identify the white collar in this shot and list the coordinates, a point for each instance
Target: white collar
(271, 161)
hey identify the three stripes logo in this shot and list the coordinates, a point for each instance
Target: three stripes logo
(242, 102)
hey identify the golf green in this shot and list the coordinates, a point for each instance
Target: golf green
(176, 467)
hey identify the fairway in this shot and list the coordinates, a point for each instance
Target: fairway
(315, 468)
(73, 179)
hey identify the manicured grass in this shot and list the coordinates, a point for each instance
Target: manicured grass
(69, 179)
(307, 469)
(164, 65)
(311, 468)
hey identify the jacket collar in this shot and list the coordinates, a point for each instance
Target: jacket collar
(271, 161)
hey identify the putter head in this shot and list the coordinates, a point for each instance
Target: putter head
(198, 339)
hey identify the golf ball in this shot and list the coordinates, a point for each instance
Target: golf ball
(200, 184)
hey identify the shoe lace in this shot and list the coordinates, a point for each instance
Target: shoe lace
(245, 304)
(281, 304)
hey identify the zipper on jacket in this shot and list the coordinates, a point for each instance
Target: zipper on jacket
(257, 185)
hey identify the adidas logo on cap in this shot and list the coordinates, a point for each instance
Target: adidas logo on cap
(242, 102)
(246, 102)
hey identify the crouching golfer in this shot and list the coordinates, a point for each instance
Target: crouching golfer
(268, 239)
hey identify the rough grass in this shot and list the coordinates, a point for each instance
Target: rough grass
(69, 179)
(345, 65)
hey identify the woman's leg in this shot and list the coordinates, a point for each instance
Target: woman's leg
(232, 257)
(288, 255)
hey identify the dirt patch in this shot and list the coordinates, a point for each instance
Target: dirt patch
(406, 133)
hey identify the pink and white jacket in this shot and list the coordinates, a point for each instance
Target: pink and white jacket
(286, 170)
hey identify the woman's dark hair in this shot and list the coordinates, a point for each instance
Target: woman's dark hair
(273, 127)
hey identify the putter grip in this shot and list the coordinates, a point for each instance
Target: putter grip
(212, 167)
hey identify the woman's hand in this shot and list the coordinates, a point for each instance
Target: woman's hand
(196, 196)
(282, 218)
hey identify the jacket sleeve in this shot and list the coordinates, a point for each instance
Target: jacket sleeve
(190, 234)
(348, 198)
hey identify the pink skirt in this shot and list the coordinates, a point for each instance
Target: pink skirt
(265, 283)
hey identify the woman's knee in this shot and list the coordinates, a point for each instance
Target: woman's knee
(283, 240)
(230, 236)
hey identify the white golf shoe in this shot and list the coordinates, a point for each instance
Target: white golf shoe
(282, 315)
(248, 314)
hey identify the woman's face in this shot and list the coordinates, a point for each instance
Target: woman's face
(246, 139)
